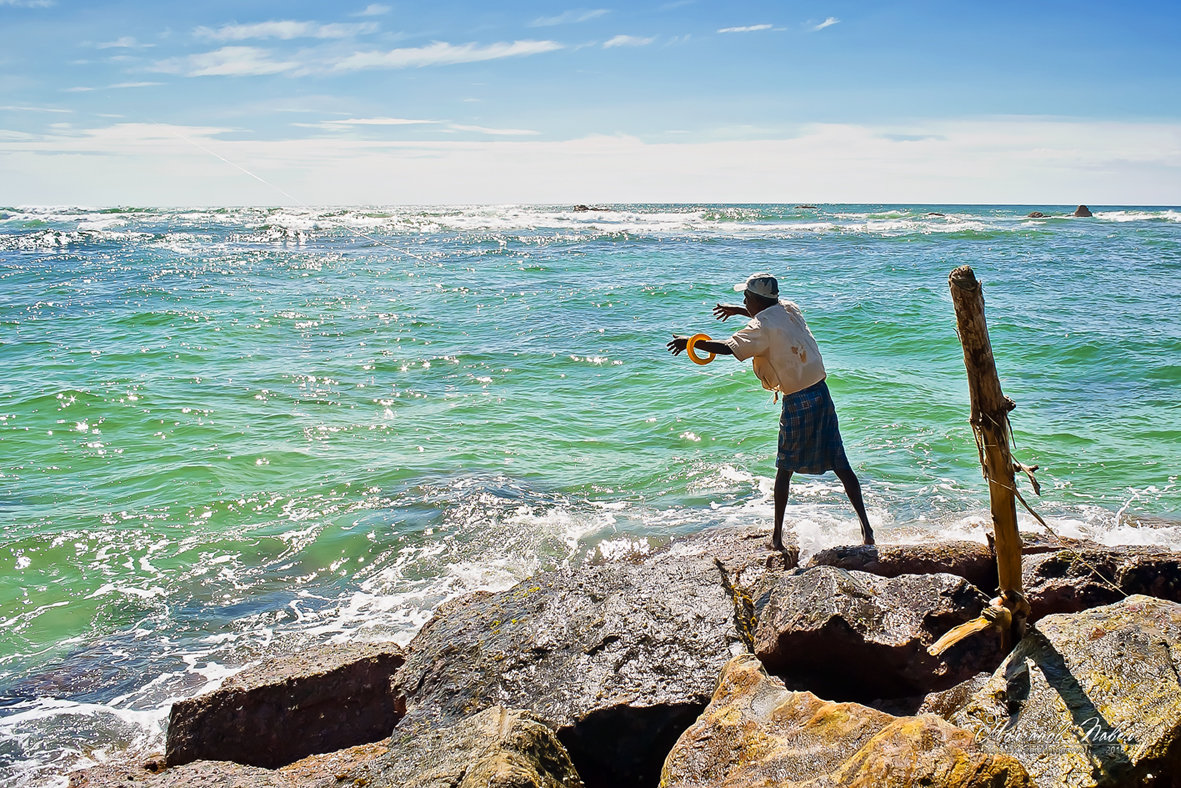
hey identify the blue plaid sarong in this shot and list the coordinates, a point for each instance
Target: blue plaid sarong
(809, 436)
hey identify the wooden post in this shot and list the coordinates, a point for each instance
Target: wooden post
(990, 425)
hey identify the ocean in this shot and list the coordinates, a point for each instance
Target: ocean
(229, 431)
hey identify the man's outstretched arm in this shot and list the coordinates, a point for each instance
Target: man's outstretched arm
(723, 311)
(677, 346)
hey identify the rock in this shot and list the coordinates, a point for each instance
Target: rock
(756, 732)
(749, 567)
(970, 560)
(1090, 699)
(1065, 581)
(935, 213)
(1082, 210)
(318, 700)
(199, 774)
(496, 748)
(618, 659)
(849, 635)
(581, 208)
(1035, 215)
(946, 703)
(806, 207)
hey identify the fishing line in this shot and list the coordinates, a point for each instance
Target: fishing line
(287, 194)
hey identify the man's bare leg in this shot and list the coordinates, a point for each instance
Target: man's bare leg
(853, 490)
(782, 487)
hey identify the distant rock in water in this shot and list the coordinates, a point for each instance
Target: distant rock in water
(809, 207)
(583, 208)
(1035, 215)
(1083, 210)
(933, 213)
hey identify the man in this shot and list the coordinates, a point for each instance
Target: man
(788, 362)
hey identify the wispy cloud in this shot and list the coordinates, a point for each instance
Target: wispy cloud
(747, 29)
(569, 17)
(226, 62)
(832, 20)
(344, 125)
(373, 9)
(28, 3)
(126, 42)
(340, 125)
(494, 132)
(286, 30)
(627, 41)
(116, 86)
(15, 108)
(441, 53)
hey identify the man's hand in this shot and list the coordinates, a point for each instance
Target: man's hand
(724, 311)
(677, 346)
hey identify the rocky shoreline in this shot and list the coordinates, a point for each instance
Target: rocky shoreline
(714, 661)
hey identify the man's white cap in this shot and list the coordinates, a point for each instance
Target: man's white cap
(763, 285)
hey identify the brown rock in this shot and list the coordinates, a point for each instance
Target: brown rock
(1072, 580)
(1090, 699)
(318, 700)
(1036, 215)
(496, 748)
(849, 635)
(755, 732)
(199, 774)
(618, 659)
(1082, 210)
(970, 560)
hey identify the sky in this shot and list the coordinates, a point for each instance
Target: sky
(259, 102)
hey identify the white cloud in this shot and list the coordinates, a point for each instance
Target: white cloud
(569, 17)
(340, 125)
(977, 160)
(226, 62)
(285, 30)
(627, 41)
(441, 53)
(116, 86)
(495, 132)
(832, 20)
(747, 29)
(125, 42)
(374, 9)
(29, 3)
(15, 108)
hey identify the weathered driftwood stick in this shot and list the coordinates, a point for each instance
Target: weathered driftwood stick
(990, 425)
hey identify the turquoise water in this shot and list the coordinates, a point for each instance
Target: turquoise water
(222, 430)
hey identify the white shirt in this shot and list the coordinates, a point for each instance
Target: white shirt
(786, 358)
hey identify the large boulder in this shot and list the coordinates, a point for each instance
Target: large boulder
(756, 732)
(496, 748)
(1071, 580)
(1083, 211)
(750, 569)
(850, 635)
(1090, 699)
(618, 659)
(972, 561)
(318, 700)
